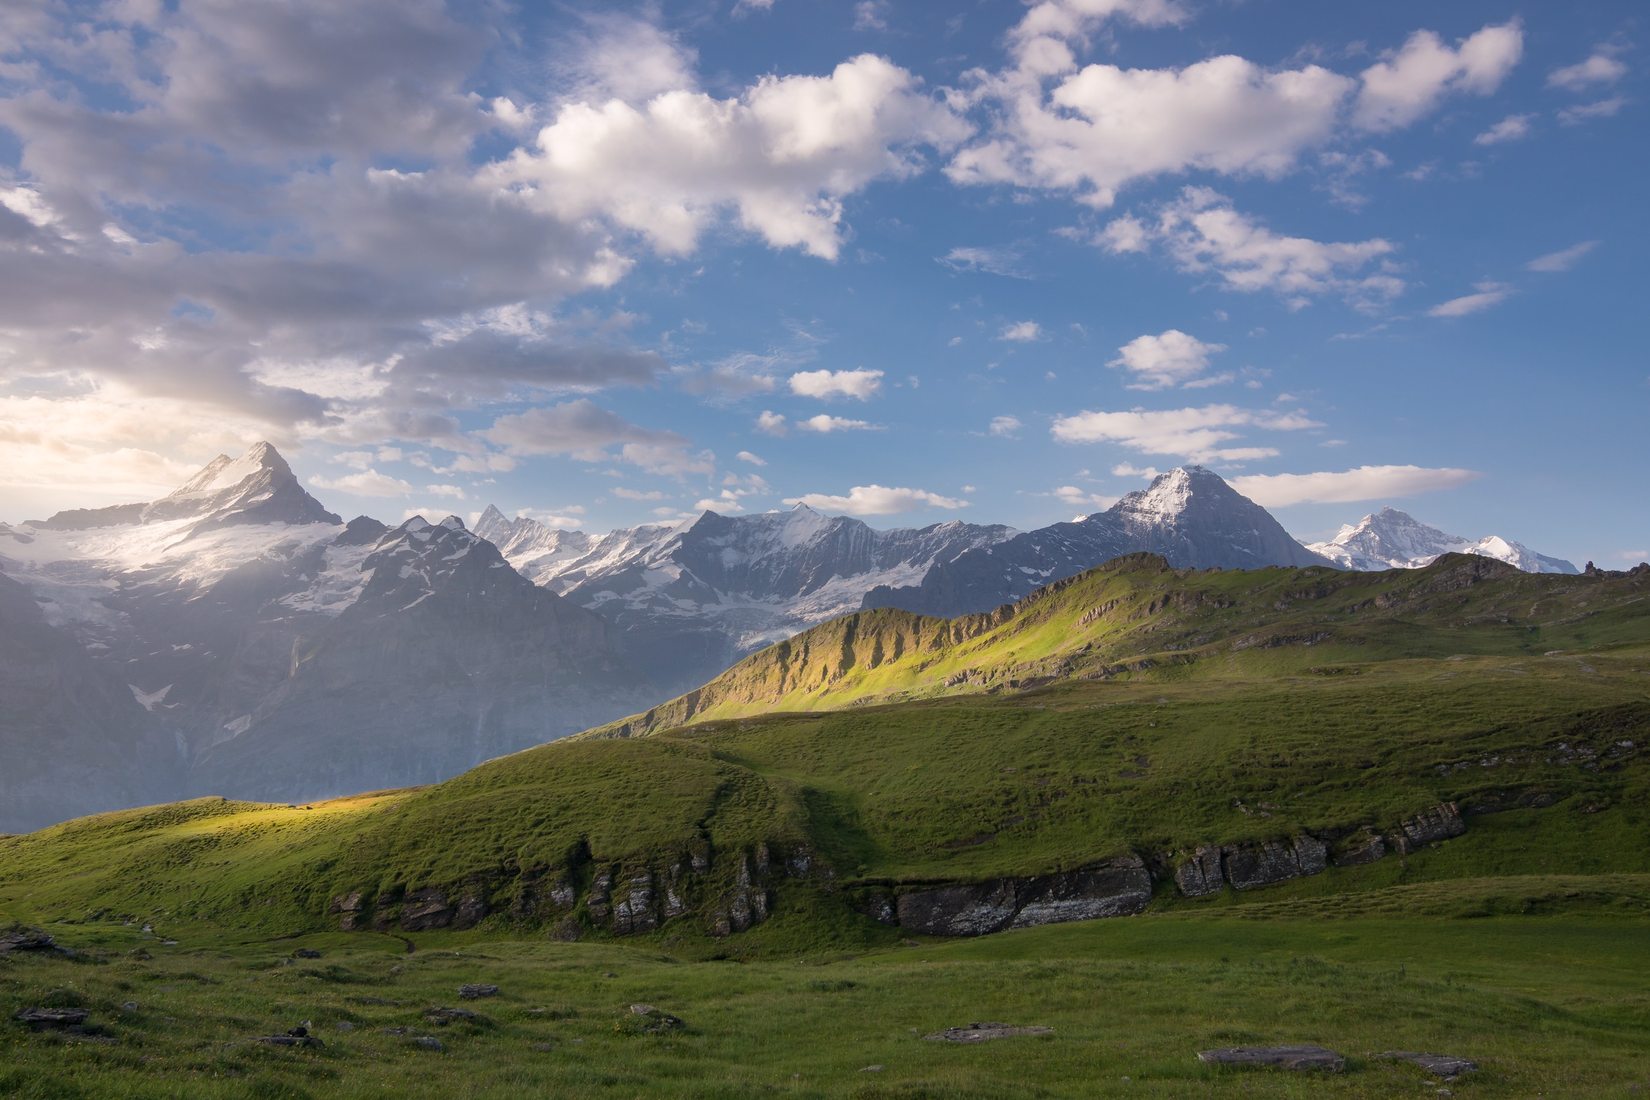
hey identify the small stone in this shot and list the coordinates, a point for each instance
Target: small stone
(1287, 1057)
(476, 991)
(129, 1006)
(1439, 1065)
(289, 1040)
(428, 1042)
(444, 1016)
(306, 953)
(985, 1032)
(870, 1069)
(344, 1025)
(655, 1019)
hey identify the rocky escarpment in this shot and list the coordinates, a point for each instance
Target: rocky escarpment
(726, 892)
(733, 891)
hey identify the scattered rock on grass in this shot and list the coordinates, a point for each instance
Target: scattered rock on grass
(428, 1042)
(43, 1019)
(441, 1017)
(19, 939)
(1286, 1057)
(1440, 1065)
(306, 953)
(476, 991)
(984, 1032)
(646, 1019)
(289, 1040)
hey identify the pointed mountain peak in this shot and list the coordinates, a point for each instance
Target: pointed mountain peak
(453, 523)
(491, 514)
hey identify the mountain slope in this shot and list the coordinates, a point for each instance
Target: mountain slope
(1189, 515)
(1135, 616)
(962, 814)
(281, 653)
(1390, 539)
(690, 599)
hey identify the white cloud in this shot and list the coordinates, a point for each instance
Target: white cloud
(1362, 483)
(1562, 260)
(1202, 233)
(782, 156)
(1128, 469)
(1511, 128)
(624, 493)
(1021, 332)
(871, 15)
(586, 431)
(1171, 358)
(1410, 82)
(454, 492)
(1200, 434)
(1082, 498)
(772, 423)
(753, 459)
(877, 500)
(1488, 294)
(1103, 127)
(1005, 427)
(1599, 68)
(1586, 112)
(826, 423)
(990, 261)
(860, 384)
(366, 483)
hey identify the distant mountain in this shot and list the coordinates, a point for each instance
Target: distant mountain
(689, 599)
(1390, 539)
(1190, 516)
(265, 649)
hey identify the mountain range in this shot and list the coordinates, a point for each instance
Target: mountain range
(236, 637)
(1390, 539)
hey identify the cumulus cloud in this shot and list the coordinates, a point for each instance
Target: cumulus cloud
(624, 493)
(1082, 498)
(586, 431)
(1600, 67)
(769, 422)
(1129, 469)
(1340, 486)
(1511, 128)
(860, 384)
(753, 459)
(876, 500)
(1487, 295)
(1171, 358)
(1201, 434)
(1005, 427)
(1562, 260)
(1411, 81)
(1202, 233)
(827, 423)
(1021, 332)
(781, 157)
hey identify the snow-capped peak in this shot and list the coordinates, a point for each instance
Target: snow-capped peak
(1391, 539)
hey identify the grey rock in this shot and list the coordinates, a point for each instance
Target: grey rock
(1439, 1065)
(1271, 861)
(27, 939)
(289, 1041)
(442, 1016)
(635, 911)
(1362, 848)
(1303, 1057)
(426, 908)
(306, 953)
(985, 1032)
(1441, 822)
(428, 1042)
(1114, 888)
(43, 1019)
(1199, 874)
(654, 1020)
(476, 991)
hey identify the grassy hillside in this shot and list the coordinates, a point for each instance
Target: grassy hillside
(1135, 617)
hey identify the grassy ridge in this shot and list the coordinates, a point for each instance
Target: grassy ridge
(1134, 617)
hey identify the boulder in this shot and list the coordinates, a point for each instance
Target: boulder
(348, 908)
(441, 1016)
(426, 908)
(635, 911)
(306, 953)
(1199, 874)
(985, 1032)
(476, 991)
(1302, 1057)
(644, 1019)
(1366, 846)
(1441, 822)
(289, 1041)
(969, 910)
(21, 939)
(1439, 1065)
(1271, 861)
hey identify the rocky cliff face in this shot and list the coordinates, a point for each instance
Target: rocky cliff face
(1190, 516)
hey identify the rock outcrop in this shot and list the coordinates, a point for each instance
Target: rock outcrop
(1300, 1057)
(1117, 887)
(1441, 822)
(1249, 866)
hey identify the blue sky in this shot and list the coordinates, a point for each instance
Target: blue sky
(911, 261)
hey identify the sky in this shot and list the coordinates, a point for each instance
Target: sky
(608, 265)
